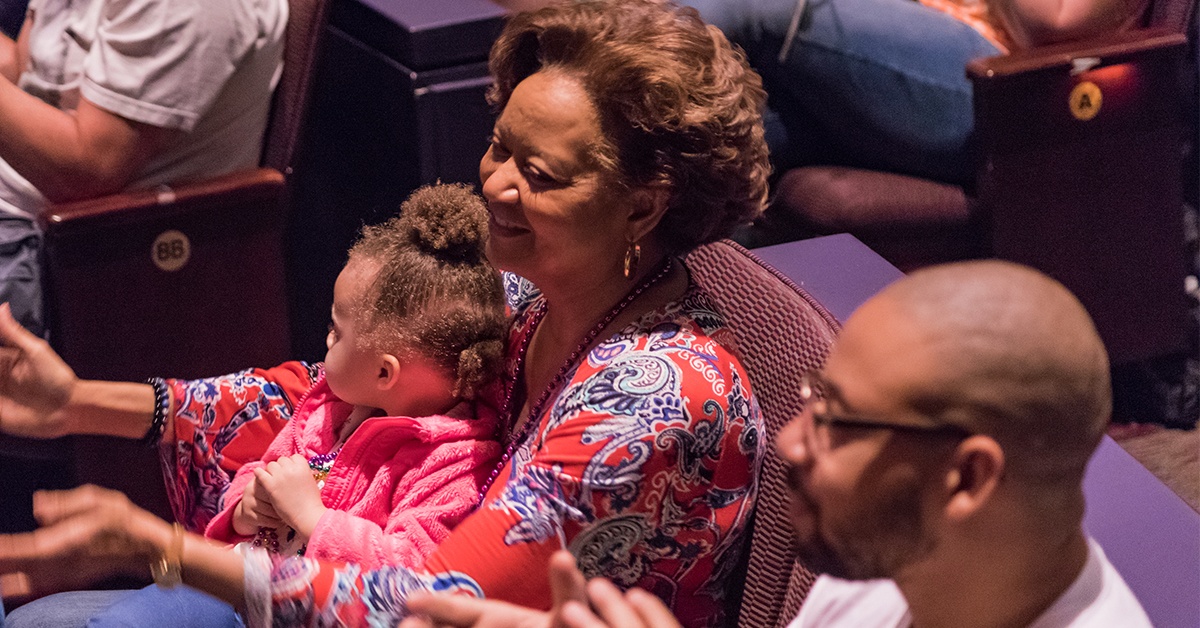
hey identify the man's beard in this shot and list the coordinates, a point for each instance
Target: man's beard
(872, 543)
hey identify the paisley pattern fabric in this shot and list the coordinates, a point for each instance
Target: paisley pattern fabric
(644, 466)
(221, 423)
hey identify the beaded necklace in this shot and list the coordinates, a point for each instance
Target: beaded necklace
(320, 465)
(535, 410)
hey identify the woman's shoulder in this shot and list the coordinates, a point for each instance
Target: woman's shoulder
(693, 320)
(689, 334)
(698, 308)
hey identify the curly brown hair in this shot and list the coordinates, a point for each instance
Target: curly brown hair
(435, 293)
(678, 104)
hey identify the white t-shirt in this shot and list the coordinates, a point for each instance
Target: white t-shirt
(205, 67)
(1098, 598)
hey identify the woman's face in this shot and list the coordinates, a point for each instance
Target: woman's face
(553, 213)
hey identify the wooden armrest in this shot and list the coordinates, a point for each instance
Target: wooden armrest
(262, 184)
(1113, 48)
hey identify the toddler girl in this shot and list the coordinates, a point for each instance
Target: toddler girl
(390, 447)
(387, 452)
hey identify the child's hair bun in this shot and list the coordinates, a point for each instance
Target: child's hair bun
(448, 221)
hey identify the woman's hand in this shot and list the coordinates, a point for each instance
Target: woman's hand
(610, 608)
(567, 588)
(88, 533)
(596, 604)
(254, 511)
(455, 611)
(289, 485)
(35, 383)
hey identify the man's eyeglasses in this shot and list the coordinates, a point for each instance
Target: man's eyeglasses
(813, 392)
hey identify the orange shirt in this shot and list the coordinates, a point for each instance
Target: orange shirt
(988, 23)
(974, 13)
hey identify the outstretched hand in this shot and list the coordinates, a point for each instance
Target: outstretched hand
(577, 604)
(610, 608)
(35, 383)
(88, 533)
(441, 611)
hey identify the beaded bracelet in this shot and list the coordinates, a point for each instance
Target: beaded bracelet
(162, 401)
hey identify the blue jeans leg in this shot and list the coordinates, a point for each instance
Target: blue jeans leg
(180, 607)
(875, 84)
(62, 610)
(151, 607)
(21, 271)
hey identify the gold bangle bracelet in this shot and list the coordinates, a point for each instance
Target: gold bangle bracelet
(167, 570)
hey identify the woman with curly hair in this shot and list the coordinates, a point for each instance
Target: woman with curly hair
(629, 133)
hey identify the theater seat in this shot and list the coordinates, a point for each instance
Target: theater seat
(782, 332)
(183, 281)
(187, 280)
(916, 222)
(1087, 187)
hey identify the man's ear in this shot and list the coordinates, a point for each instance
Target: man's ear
(389, 372)
(973, 477)
(649, 206)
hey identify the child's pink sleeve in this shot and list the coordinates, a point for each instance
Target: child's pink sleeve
(221, 423)
(429, 501)
(220, 528)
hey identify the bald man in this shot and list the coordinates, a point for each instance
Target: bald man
(937, 471)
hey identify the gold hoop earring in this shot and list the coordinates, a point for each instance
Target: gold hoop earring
(633, 255)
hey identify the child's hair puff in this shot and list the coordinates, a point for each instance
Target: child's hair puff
(434, 293)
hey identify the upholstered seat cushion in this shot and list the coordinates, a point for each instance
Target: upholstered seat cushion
(911, 222)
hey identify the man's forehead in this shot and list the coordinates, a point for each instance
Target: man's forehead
(881, 355)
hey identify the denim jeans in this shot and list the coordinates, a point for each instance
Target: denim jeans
(180, 607)
(876, 84)
(21, 271)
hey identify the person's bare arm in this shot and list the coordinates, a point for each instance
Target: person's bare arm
(41, 397)
(89, 533)
(214, 569)
(10, 66)
(1033, 23)
(15, 54)
(73, 155)
(67, 155)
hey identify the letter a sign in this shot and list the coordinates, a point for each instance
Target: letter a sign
(1085, 101)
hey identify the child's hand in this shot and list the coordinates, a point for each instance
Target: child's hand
(254, 511)
(289, 484)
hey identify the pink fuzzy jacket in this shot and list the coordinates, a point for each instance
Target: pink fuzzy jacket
(395, 490)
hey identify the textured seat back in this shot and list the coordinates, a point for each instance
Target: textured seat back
(1175, 15)
(782, 332)
(306, 19)
(185, 281)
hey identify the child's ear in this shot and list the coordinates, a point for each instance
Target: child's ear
(389, 372)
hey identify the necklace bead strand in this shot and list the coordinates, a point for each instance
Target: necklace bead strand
(320, 465)
(535, 410)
